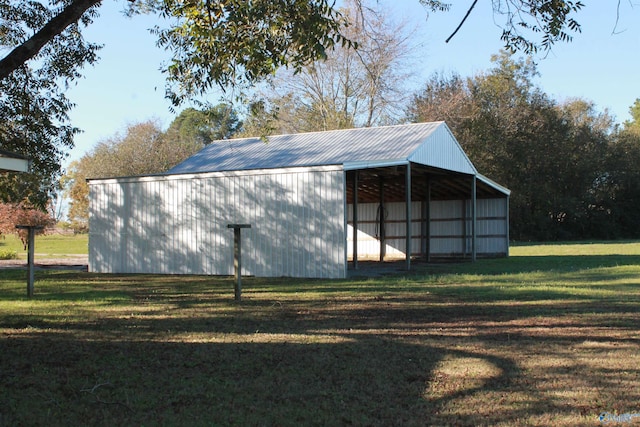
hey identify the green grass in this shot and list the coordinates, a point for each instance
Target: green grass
(548, 336)
(48, 245)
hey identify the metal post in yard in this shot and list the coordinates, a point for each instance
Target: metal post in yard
(237, 257)
(31, 232)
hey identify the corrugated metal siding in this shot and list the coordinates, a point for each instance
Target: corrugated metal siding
(395, 226)
(441, 150)
(179, 225)
(450, 229)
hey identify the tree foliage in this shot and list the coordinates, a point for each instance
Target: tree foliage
(201, 127)
(633, 125)
(33, 106)
(13, 214)
(571, 171)
(352, 87)
(527, 25)
(226, 43)
(621, 183)
(230, 43)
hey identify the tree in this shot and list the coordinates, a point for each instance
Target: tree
(526, 20)
(213, 42)
(551, 156)
(33, 107)
(352, 87)
(620, 185)
(633, 125)
(201, 127)
(444, 98)
(12, 214)
(222, 42)
(76, 190)
(588, 144)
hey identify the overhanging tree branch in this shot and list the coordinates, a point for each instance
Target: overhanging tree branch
(30, 48)
(462, 22)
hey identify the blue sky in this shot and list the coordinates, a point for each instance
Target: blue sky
(126, 86)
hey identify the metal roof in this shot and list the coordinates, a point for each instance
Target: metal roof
(431, 144)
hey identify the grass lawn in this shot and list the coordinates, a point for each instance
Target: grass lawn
(549, 336)
(48, 245)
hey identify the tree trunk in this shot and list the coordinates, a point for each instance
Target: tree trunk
(30, 48)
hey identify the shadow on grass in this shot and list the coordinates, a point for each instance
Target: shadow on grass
(331, 368)
(361, 380)
(167, 350)
(529, 264)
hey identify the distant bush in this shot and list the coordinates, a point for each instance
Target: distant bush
(8, 254)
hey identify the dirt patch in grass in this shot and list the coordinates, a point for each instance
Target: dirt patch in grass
(66, 262)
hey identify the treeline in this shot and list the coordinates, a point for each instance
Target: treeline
(573, 170)
(574, 173)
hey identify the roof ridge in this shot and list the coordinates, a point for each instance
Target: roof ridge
(333, 130)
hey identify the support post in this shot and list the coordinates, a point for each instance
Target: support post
(474, 219)
(355, 219)
(408, 215)
(506, 225)
(237, 257)
(381, 225)
(31, 232)
(465, 228)
(426, 224)
(429, 222)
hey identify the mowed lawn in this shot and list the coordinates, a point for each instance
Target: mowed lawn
(52, 245)
(549, 336)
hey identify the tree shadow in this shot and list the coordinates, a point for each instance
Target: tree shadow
(187, 354)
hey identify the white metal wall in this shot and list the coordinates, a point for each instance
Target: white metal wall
(178, 224)
(450, 229)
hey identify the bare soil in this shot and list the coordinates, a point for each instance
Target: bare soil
(76, 262)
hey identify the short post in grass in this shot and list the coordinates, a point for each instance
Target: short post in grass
(31, 232)
(237, 257)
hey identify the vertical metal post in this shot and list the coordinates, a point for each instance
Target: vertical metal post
(506, 225)
(31, 233)
(408, 215)
(30, 262)
(465, 228)
(383, 247)
(427, 224)
(237, 258)
(237, 263)
(474, 219)
(429, 219)
(355, 220)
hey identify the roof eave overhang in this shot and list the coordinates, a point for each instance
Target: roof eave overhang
(493, 184)
(349, 166)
